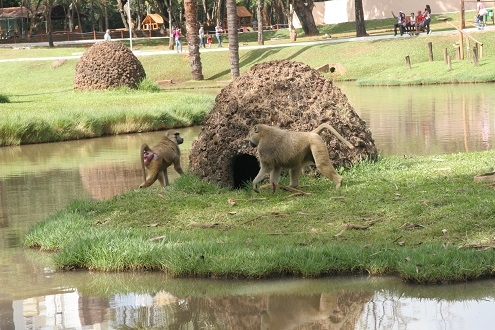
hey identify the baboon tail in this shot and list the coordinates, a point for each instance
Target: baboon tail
(143, 148)
(323, 126)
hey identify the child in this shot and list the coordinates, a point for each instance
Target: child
(209, 41)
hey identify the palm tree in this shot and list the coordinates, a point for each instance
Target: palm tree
(190, 12)
(233, 38)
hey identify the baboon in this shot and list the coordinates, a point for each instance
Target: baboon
(278, 149)
(156, 160)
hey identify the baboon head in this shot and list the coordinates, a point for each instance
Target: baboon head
(176, 137)
(254, 139)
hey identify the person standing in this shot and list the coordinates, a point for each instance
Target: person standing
(218, 34)
(480, 15)
(176, 35)
(398, 25)
(201, 34)
(427, 19)
(209, 41)
(107, 36)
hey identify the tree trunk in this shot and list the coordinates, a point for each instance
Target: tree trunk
(360, 24)
(205, 9)
(304, 11)
(259, 13)
(218, 13)
(120, 6)
(290, 17)
(190, 12)
(140, 14)
(233, 38)
(171, 43)
(49, 23)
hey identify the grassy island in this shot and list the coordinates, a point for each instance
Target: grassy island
(421, 218)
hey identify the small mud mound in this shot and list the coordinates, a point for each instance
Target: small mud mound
(287, 94)
(108, 64)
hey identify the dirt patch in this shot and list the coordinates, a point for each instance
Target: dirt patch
(283, 93)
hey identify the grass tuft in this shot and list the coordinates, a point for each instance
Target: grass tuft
(4, 99)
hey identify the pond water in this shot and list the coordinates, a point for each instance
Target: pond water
(38, 180)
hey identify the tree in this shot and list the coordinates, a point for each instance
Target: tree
(233, 38)
(304, 11)
(190, 12)
(48, 16)
(360, 24)
(120, 6)
(288, 10)
(259, 8)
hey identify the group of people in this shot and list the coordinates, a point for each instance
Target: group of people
(413, 24)
(176, 34)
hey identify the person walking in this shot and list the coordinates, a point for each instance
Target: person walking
(427, 19)
(201, 35)
(480, 15)
(176, 35)
(218, 34)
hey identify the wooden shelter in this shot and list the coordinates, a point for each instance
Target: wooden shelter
(152, 22)
(13, 21)
(244, 18)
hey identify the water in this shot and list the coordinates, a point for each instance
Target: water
(38, 180)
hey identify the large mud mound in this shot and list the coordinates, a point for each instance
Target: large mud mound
(287, 94)
(108, 64)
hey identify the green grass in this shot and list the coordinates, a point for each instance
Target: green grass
(44, 107)
(426, 216)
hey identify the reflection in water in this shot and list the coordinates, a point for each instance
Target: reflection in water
(426, 120)
(38, 180)
(334, 303)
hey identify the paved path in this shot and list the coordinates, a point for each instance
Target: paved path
(139, 52)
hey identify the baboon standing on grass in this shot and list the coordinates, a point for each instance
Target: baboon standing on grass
(156, 160)
(278, 149)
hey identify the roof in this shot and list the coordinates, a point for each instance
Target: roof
(152, 18)
(14, 12)
(243, 12)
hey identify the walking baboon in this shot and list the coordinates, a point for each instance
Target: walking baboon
(278, 149)
(156, 160)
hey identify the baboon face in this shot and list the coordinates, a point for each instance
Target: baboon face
(178, 139)
(255, 136)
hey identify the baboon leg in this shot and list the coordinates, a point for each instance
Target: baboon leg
(165, 175)
(323, 126)
(275, 177)
(324, 165)
(295, 173)
(163, 178)
(177, 167)
(261, 175)
(152, 176)
(329, 171)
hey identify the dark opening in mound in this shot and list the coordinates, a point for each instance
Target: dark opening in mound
(244, 168)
